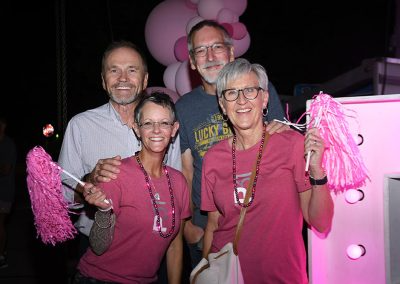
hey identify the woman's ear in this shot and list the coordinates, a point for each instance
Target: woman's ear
(136, 129)
(221, 104)
(265, 98)
(175, 128)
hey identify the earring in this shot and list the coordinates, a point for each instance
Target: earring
(265, 112)
(224, 117)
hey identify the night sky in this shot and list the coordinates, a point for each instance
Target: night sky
(297, 42)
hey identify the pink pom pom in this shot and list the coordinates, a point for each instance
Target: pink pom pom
(49, 207)
(342, 159)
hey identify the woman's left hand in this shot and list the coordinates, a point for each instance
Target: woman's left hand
(94, 195)
(315, 145)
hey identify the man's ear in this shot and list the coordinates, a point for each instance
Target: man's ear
(192, 63)
(232, 53)
(145, 80)
(103, 82)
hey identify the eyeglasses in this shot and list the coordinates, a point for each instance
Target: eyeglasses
(216, 48)
(166, 125)
(249, 93)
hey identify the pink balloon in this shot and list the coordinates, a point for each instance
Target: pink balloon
(229, 28)
(164, 26)
(169, 75)
(209, 9)
(186, 79)
(242, 45)
(180, 49)
(239, 30)
(227, 16)
(173, 95)
(238, 6)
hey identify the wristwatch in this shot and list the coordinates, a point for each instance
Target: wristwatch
(321, 181)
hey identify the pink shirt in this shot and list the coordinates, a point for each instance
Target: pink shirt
(271, 247)
(137, 248)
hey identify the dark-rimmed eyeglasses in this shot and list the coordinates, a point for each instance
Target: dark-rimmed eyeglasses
(216, 48)
(152, 124)
(249, 93)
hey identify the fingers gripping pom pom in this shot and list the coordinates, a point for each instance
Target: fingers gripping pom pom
(342, 159)
(50, 209)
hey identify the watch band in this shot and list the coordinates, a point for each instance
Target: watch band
(321, 181)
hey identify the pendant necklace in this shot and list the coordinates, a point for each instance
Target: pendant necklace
(253, 189)
(155, 193)
(153, 199)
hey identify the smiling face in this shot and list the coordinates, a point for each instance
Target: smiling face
(156, 127)
(243, 113)
(124, 76)
(212, 62)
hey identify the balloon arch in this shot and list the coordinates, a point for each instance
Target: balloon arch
(167, 26)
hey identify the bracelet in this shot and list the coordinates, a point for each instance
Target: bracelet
(103, 220)
(321, 181)
(105, 210)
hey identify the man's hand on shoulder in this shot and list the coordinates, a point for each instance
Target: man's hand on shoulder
(105, 170)
(277, 127)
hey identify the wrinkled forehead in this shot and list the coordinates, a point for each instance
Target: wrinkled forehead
(207, 35)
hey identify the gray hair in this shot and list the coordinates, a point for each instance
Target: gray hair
(237, 68)
(207, 23)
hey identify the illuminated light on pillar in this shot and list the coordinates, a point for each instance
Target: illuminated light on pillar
(354, 195)
(355, 251)
(48, 130)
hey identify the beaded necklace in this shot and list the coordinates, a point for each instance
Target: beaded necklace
(153, 200)
(253, 190)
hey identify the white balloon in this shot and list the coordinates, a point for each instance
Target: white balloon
(186, 78)
(170, 74)
(209, 9)
(192, 22)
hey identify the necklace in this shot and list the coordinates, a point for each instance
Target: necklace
(153, 199)
(253, 189)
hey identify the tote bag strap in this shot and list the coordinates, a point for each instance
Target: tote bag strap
(246, 200)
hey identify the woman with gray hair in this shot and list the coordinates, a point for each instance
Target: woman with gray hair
(271, 247)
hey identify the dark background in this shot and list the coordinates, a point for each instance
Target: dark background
(297, 41)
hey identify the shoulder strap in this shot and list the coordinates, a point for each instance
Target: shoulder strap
(246, 200)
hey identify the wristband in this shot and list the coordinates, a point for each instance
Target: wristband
(321, 181)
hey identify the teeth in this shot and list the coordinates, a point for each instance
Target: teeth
(156, 139)
(243, 110)
(123, 88)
